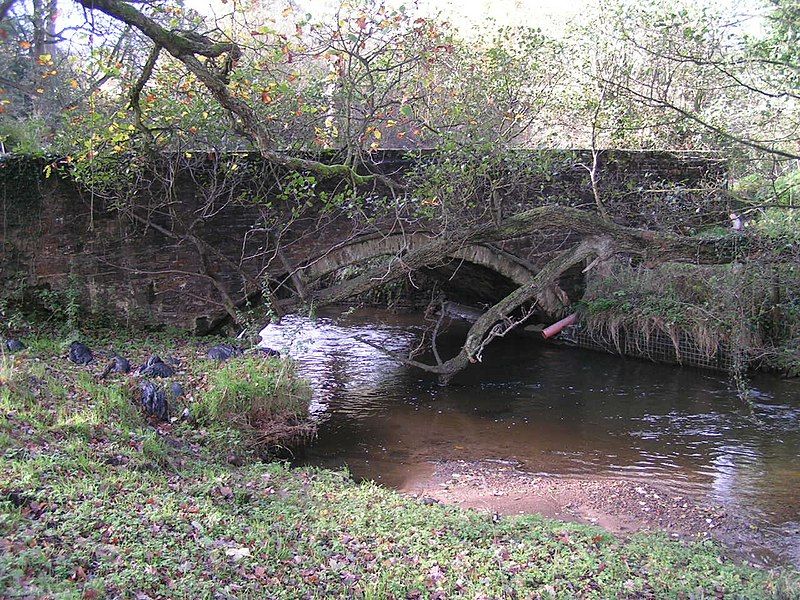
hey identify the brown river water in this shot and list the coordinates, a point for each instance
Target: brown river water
(550, 410)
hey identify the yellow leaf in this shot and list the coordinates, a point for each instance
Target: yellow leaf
(377, 133)
(74, 84)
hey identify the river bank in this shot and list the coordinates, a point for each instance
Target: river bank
(575, 415)
(98, 501)
(619, 506)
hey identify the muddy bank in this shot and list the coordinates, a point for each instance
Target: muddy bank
(620, 506)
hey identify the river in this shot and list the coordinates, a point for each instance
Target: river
(553, 411)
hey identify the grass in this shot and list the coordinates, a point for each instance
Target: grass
(95, 502)
(243, 391)
(747, 311)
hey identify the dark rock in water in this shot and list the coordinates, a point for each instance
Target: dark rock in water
(155, 367)
(80, 354)
(177, 389)
(120, 364)
(268, 352)
(14, 345)
(154, 401)
(224, 352)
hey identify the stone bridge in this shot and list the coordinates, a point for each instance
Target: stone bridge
(167, 271)
(492, 272)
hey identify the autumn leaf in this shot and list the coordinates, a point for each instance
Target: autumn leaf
(237, 554)
(25, 45)
(362, 22)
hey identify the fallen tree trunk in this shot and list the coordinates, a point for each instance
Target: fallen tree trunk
(651, 247)
(497, 321)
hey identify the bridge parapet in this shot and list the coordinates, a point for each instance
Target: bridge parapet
(56, 237)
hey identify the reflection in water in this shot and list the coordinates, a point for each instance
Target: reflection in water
(553, 410)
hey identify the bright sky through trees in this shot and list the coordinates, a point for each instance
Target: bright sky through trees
(465, 14)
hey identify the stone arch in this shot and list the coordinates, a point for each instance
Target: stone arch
(362, 249)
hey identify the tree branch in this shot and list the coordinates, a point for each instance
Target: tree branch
(186, 47)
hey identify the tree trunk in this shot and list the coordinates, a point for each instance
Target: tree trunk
(498, 320)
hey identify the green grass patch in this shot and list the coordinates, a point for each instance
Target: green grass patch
(248, 391)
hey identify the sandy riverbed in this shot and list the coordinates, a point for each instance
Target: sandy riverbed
(617, 505)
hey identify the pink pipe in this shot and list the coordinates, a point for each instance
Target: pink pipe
(556, 327)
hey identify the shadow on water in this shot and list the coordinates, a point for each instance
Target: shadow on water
(552, 410)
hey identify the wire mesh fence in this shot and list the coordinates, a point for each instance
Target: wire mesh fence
(656, 345)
